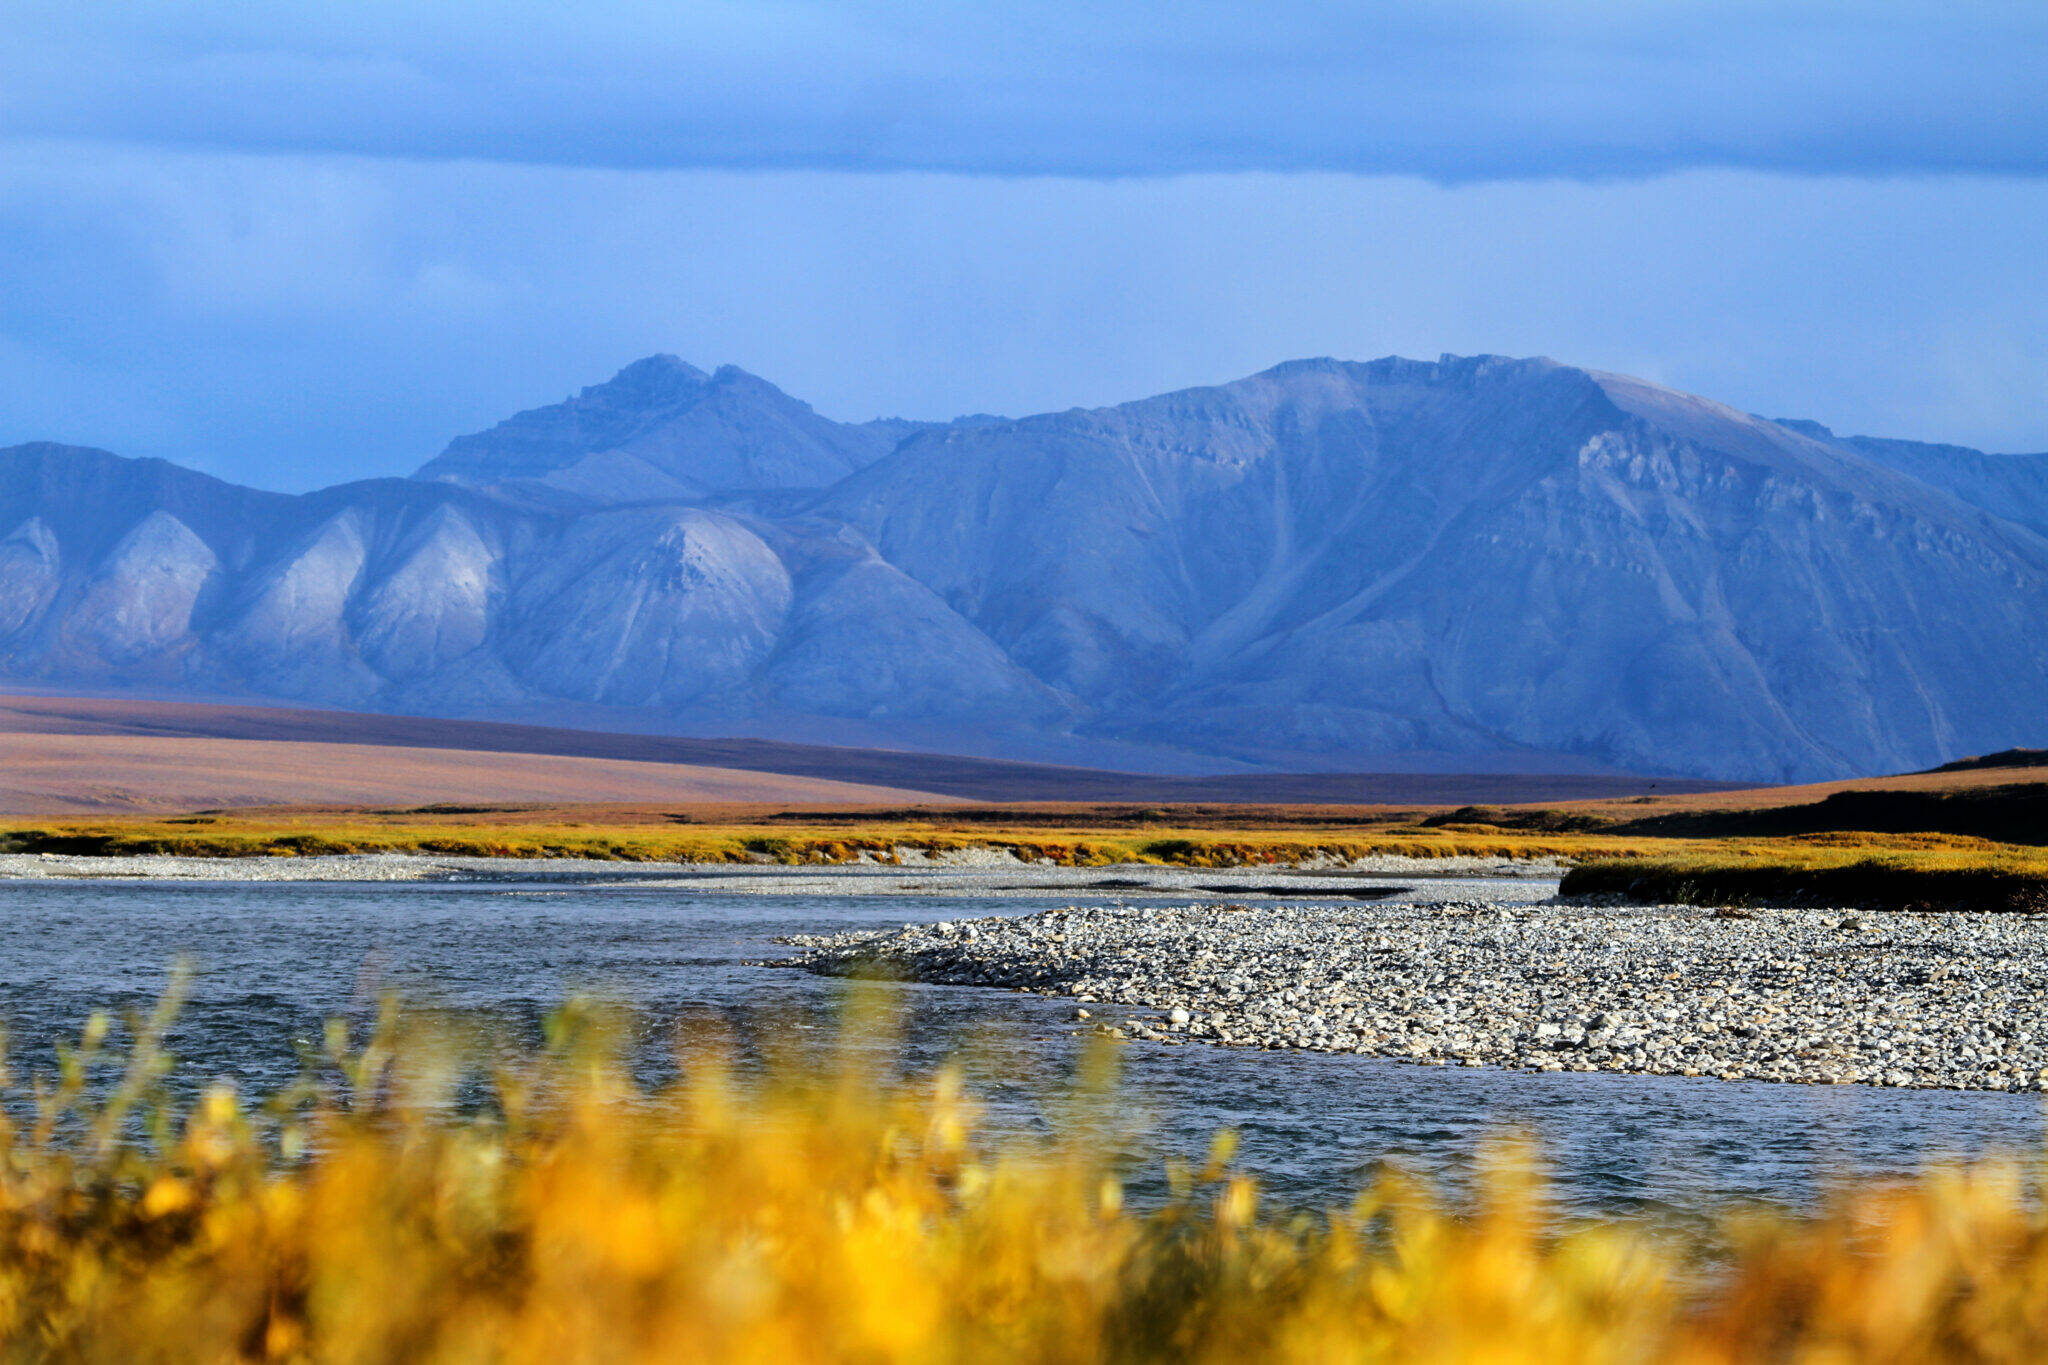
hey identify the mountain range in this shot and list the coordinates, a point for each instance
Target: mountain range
(1476, 561)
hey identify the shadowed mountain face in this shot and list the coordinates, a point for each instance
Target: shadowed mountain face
(1325, 565)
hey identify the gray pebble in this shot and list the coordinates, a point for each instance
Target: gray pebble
(1899, 999)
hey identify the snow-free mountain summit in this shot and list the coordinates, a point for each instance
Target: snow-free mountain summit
(1328, 564)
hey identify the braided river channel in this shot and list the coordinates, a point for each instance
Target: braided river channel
(498, 949)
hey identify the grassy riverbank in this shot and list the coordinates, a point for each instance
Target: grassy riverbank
(831, 1214)
(818, 839)
(1881, 870)
(1931, 872)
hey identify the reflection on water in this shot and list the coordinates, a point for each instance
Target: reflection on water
(275, 960)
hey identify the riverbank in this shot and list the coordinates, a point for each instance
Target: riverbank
(1984, 877)
(1895, 871)
(1064, 838)
(1953, 1001)
(973, 871)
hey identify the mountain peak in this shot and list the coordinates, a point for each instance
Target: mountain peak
(1316, 364)
(657, 377)
(661, 430)
(733, 379)
(1447, 366)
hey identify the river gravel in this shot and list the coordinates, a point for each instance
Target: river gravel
(1948, 1001)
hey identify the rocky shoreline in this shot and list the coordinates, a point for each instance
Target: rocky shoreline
(973, 871)
(1950, 1001)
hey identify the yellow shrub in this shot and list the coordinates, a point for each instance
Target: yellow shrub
(823, 1214)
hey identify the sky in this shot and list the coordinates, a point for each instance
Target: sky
(293, 244)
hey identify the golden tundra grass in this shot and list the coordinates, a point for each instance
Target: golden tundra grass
(256, 834)
(1878, 870)
(827, 1214)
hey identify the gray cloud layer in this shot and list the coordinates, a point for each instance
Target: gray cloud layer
(291, 321)
(1451, 90)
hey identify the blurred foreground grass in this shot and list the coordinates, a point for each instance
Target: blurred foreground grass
(819, 1209)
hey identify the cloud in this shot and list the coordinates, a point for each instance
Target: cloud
(290, 320)
(1449, 90)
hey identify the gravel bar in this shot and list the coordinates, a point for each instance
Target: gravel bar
(971, 871)
(1950, 1001)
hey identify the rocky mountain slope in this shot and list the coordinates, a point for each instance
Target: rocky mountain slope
(2013, 486)
(1328, 564)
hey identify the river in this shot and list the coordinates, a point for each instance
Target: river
(273, 960)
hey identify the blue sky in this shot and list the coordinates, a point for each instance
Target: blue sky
(291, 244)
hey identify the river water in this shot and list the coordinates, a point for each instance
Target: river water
(274, 960)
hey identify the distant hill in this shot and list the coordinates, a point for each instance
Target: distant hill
(2006, 758)
(1478, 563)
(2015, 813)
